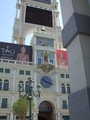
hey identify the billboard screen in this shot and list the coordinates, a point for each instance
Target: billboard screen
(15, 52)
(61, 56)
(38, 16)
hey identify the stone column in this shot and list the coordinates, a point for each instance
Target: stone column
(11, 116)
(76, 38)
(57, 83)
(8, 116)
(14, 79)
(58, 116)
(35, 56)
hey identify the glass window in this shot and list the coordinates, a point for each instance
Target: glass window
(6, 85)
(21, 72)
(1, 69)
(26, 87)
(27, 72)
(62, 75)
(64, 103)
(51, 61)
(67, 75)
(63, 88)
(0, 84)
(7, 70)
(68, 89)
(4, 102)
(39, 61)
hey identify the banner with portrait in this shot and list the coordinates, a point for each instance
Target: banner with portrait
(15, 52)
(61, 57)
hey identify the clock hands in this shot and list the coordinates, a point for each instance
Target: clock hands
(47, 81)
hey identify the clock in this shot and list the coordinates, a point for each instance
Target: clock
(46, 81)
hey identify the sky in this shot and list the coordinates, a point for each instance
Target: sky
(7, 16)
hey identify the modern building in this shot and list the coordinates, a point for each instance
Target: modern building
(44, 60)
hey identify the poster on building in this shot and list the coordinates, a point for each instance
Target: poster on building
(61, 57)
(15, 52)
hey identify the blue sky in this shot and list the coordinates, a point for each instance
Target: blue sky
(7, 13)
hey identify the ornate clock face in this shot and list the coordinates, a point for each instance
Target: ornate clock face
(46, 82)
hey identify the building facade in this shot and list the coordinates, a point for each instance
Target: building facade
(42, 62)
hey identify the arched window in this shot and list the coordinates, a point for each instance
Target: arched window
(63, 88)
(26, 87)
(0, 84)
(6, 85)
(22, 83)
(68, 89)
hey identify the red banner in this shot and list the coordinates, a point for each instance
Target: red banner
(61, 56)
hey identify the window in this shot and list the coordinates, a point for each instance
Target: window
(67, 75)
(4, 102)
(21, 72)
(62, 75)
(27, 72)
(68, 89)
(63, 88)
(0, 84)
(6, 85)
(39, 61)
(64, 103)
(26, 87)
(7, 70)
(51, 61)
(1, 69)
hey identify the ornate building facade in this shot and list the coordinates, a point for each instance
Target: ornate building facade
(45, 60)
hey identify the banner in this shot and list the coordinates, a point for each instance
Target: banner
(15, 52)
(61, 57)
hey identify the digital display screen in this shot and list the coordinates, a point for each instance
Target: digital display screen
(44, 1)
(38, 16)
(15, 52)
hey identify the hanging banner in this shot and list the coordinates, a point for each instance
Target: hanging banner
(61, 57)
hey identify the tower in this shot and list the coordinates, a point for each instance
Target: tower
(42, 19)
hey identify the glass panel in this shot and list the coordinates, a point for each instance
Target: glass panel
(39, 60)
(27, 72)
(21, 72)
(51, 61)
(1, 69)
(68, 89)
(62, 75)
(0, 85)
(63, 88)
(64, 104)
(7, 70)
(67, 75)
(6, 86)
(4, 102)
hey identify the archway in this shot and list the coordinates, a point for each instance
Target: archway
(46, 111)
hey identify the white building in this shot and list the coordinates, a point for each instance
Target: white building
(45, 41)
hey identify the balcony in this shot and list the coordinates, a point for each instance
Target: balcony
(15, 62)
